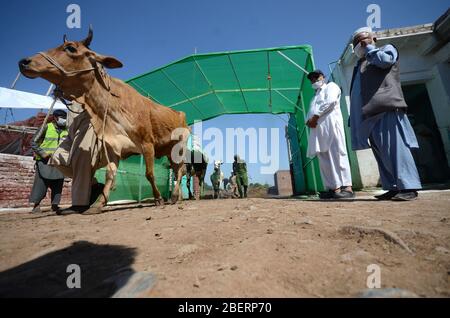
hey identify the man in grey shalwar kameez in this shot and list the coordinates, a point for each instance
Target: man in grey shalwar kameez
(378, 117)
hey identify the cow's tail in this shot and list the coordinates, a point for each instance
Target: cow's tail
(183, 124)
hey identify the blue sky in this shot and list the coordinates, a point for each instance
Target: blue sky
(145, 35)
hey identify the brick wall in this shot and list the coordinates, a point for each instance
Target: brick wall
(16, 181)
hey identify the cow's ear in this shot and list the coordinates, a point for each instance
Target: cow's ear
(108, 61)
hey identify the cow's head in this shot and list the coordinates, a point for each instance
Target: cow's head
(69, 65)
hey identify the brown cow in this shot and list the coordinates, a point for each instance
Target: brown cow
(134, 124)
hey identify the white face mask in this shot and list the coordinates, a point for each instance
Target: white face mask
(61, 122)
(359, 51)
(317, 84)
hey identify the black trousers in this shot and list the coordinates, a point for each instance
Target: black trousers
(40, 187)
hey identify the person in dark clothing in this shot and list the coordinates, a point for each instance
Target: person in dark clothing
(240, 170)
(46, 176)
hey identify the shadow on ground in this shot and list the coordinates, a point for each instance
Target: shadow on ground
(102, 267)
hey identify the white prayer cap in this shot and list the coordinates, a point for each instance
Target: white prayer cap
(361, 30)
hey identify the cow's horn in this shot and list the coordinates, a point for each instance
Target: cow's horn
(87, 41)
(65, 38)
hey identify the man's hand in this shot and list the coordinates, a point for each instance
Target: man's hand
(312, 122)
(45, 157)
(364, 38)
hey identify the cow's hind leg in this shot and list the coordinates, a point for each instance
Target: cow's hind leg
(149, 156)
(198, 193)
(178, 171)
(201, 180)
(188, 180)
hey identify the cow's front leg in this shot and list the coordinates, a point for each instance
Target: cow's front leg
(149, 156)
(188, 182)
(110, 174)
(199, 191)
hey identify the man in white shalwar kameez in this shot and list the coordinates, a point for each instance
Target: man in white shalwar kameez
(327, 138)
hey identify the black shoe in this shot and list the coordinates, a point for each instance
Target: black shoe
(36, 210)
(74, 209)
(326, 195)
(56, 208)
(406, 195)
(344, 194)
(387, 195)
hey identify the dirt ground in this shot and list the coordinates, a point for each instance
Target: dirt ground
(256, 247)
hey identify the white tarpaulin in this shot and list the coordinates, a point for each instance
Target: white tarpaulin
(11, 98)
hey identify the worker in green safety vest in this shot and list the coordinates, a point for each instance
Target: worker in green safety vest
(240, 170)
(46, 176)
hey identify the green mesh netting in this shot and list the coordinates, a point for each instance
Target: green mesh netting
(131, 183)
(205, 86)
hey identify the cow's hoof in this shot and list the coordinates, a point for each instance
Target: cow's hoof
(159, 202)
(93, 210)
